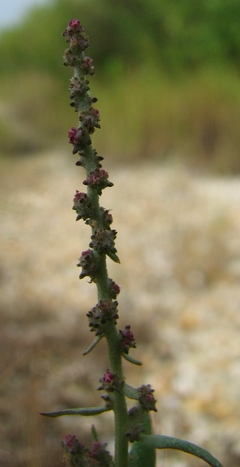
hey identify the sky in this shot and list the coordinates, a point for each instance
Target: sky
(11, 11)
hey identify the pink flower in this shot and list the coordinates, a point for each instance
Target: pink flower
(72, 134)
(74, 23)
(79, 197)
(127, 339)
(69, 440)
(108, 377)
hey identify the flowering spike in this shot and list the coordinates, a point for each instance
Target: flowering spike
(129, 425)
(78, 39)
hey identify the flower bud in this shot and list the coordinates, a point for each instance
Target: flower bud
(73, 446)
(76, 36)
(77, 89)
(87, 66)
(107, 218)
(104, 311)
(110, 382)
(88, 264)
(102, 241)
(134, 433)
(82, 205)
(90, 120)
(78, 138)
(113, 288)
(146, 398)
(127, 339)
(99, 453)
(74, 25)
(98, 180)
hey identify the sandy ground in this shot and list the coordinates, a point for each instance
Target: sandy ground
(179, 246)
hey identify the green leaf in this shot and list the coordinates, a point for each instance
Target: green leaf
(88, 411)
(93, 344)
(130, 392)
(113, 256)
(130, 359)
(94, 434)
(167, 442)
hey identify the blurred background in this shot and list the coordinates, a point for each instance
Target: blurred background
(168, 88)
(173, 65)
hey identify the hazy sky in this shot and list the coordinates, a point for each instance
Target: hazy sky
(11, 11)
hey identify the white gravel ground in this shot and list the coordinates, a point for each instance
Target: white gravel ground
(179, 245)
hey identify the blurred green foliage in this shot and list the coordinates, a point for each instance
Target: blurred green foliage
(176, 34)
(159, 63)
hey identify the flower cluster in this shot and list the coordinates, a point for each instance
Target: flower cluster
(90, 120)
(98, 316)
(82, 205)
(102, 241)
(134, 433)
(110, 382)
(77, 89)
(79, 139)
(146, 398)
(81, 99)
(113, 288)
(106, 218)
(77, 455)
(127, 339)
(78, 41)
(87, 262)
(98, 180)
(99, 453)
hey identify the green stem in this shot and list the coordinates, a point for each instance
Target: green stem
(102, 279)
(119, 401)
(121, 442)
(110, 331)
(115, 359)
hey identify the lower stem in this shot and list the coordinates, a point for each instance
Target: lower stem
(118, 398)
(121, 442)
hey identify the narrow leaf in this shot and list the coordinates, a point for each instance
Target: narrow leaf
(130, 359)
(88, 411)
(130, 392)
(93, 344)
(167, 442)
(113, 256)
(94, 434)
